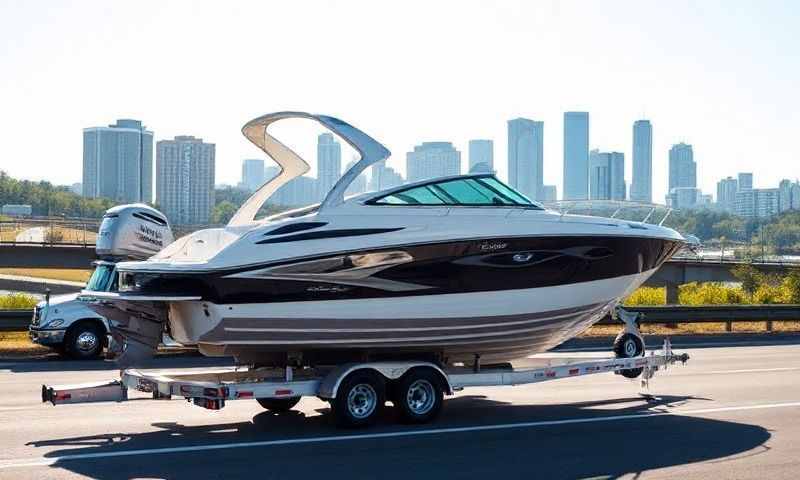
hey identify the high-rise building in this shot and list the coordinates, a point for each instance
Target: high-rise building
(684, 197)
(549, 194)
(576, 156)
(526, 156)
(384, 177)
(789, 195)
(297, 192)
(359, 185)
(726, 193)
(329, 164)
(606, 175)
(642, 182)
(252, 174)
(682, 167)
(185, 179)
(745, 181)
(757, 202)
(118, 162)
(481, 156)
(431, 160)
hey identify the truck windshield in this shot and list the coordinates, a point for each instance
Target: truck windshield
(102, 279)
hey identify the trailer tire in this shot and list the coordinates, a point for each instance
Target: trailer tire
(84, 341)
(360, 399)
(628, 345)
(278, 405)
(419, 396)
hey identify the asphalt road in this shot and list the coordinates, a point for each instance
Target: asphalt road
(729, 413)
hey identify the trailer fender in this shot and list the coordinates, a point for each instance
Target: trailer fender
(389, 370)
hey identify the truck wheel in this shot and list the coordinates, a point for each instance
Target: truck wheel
(419, 396)
(278, 404)
(84, 341)
(359, 400)
(629, 345)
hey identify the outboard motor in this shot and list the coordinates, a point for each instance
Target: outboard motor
(133, 231)
(128, 232)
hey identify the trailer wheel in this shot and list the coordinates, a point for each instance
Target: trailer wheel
(278, 405)
(629, 345)
(419, 396)
(359, 400)
(84, 341)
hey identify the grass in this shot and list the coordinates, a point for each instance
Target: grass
(19, 344)
(70, 274)
(697, 328)
(14, 301)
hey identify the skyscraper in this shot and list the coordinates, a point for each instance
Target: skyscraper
(253, 174)
(745, 181)
(384, 177)
(549, 194)
(481, 156)
(606, 175)
(682, 167)
(576, 155)
(642, 182)
(297, 192)
(431, 160)
(726, 193)
(359, 185)
(329, 164)
(118, 162)
(526, 156)
(185, 179)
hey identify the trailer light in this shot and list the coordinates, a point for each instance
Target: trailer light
(283, 392)
(244, 394)
(221, 392)
(62, 396)
(574, 371)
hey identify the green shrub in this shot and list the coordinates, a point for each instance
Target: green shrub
(709, 294)
(647, 296)
(15, 301)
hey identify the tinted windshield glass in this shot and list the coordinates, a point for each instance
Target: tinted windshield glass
(102, 278)
(475, 191)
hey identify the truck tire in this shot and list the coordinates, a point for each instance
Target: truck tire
(278, 405)
(359, 400)
(419, 396)
(84, 341)
(629, 345)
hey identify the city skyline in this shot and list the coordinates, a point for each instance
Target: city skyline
(681, 83)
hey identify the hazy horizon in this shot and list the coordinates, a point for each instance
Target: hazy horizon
(719, 75)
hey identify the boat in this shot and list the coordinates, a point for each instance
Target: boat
(457, 270)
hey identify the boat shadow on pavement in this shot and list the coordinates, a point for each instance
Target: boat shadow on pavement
(593, 441)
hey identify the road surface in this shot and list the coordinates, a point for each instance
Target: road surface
(32, 235)
(729, 413)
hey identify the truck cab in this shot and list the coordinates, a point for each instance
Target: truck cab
(68, 325)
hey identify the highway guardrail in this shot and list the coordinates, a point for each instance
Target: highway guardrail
(15, 320)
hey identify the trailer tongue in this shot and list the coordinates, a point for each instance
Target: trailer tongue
(356, 391)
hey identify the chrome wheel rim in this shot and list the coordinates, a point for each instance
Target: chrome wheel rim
(362, 400)
(86, 341)
(630, 348)
(420, 397)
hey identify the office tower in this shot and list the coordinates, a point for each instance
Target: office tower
(431, 160)
(118, 162)
(726, 193)
(76, 188)
(252, 174)
(684, 197)
(271, 172)
(576, 156)
(789, 195)
(642, 182)
(682, 167)
(297, 192)
(757, 202)
(549, 194)
(526, 156)
(384, 177)
(329, 164)
(745, 181)
(606, 175)
(185, 179)
(359, 185)
(481, 156)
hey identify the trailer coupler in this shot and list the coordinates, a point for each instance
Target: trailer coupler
(113, 391)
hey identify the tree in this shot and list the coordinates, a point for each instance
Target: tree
(791, 285)
(223, 212)
(749, 276)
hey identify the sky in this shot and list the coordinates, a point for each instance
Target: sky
(719, 74)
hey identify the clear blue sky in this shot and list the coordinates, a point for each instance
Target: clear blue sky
(722, 75)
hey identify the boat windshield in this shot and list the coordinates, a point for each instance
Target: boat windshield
(103, 278)
(469, 191)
